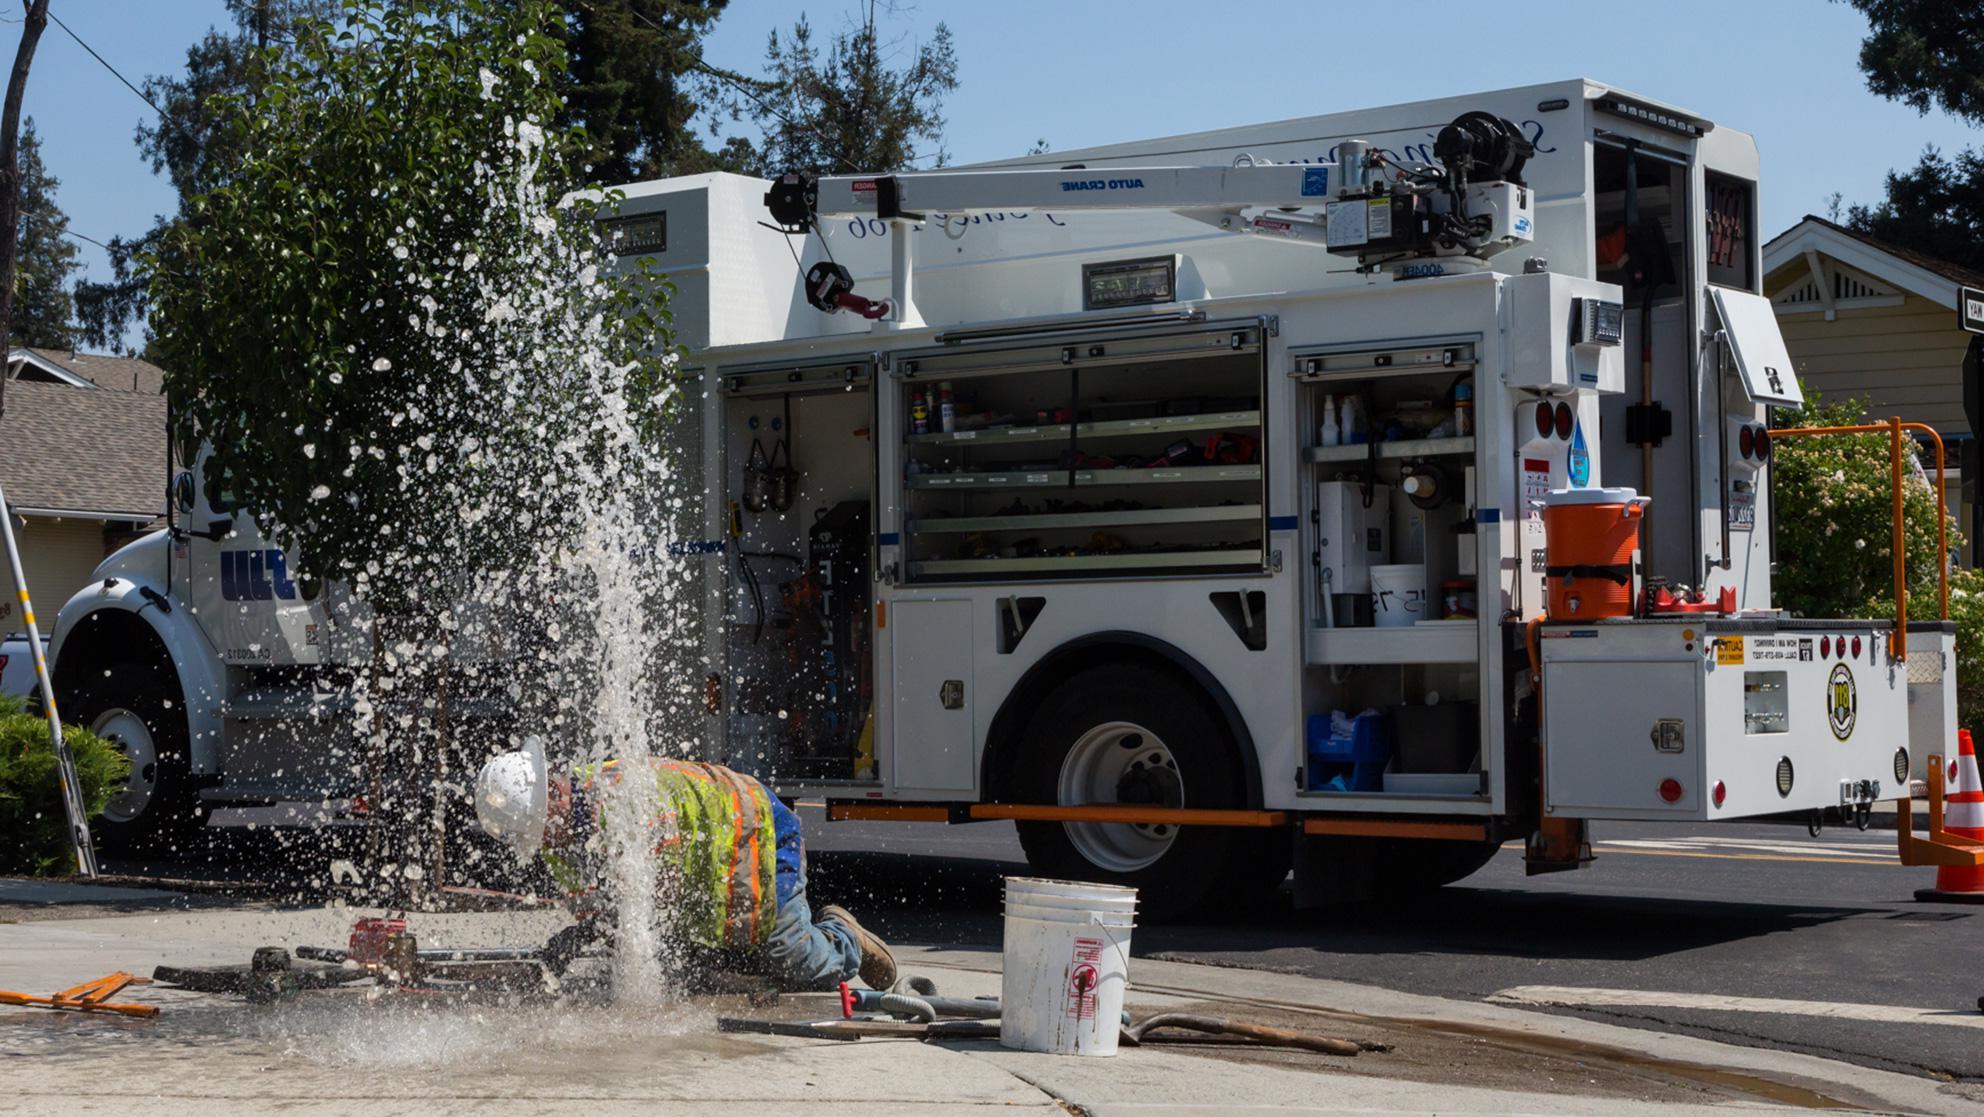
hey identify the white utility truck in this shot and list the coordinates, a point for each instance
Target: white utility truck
(1178, 500)
(1116, 472)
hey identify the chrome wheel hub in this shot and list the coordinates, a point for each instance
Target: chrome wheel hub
(128, 734)
(1114, 763)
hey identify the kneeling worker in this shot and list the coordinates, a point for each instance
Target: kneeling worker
(728, 853)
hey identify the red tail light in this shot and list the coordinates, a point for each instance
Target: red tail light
(1544, 423)
(1564, 419)
(1670, 790)
(1747, 442)
(1719, 793)
(1825, 647)
(1763, 444)
(1856, 647)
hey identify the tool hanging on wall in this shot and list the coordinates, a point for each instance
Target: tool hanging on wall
(757, 487)
(783, 480)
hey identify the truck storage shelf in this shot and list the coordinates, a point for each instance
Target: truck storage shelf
(1404, 448)
(1109, 428)
(1083, 563)
(1431, 642)
(1052, 520)
(1058, 478)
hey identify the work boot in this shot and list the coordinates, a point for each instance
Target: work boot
(878, 963)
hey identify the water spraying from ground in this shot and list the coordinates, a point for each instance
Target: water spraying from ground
(552, 496)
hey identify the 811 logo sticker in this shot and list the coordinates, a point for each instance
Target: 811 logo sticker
(1842, 701)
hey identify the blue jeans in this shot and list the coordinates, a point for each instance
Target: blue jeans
(805, 956)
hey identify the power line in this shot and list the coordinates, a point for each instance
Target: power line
(113, 70)
(89, 240)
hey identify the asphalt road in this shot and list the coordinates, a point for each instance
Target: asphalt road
(1676, 928)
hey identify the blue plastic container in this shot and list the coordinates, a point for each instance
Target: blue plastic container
(1348, 763)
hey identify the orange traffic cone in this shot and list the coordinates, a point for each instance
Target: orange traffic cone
(1963, 816)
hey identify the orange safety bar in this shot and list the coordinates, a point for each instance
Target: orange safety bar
(1156, 816)
(886, 812)
(1111, 812)
(1396, 828)
(1893, 428)
(1941, 847)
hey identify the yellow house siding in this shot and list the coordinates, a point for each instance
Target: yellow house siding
(58, 557)
(1903, 360)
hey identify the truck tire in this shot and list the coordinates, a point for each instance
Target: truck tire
(136, 706)
(1133, 735)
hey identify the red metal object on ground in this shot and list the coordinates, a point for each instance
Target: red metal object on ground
(368, 939)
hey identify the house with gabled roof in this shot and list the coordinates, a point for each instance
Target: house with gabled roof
(83, 460)
(1866, 319)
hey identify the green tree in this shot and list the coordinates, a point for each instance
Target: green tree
(400, 347)
(635, 83)
(852, 108)
(194, 142)
(44, 312)
(1937, 208)
(302, 306)
(1926, 53)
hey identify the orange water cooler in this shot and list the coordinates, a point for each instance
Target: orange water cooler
(1590, 536)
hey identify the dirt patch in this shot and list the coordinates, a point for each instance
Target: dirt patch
(1483, 1056)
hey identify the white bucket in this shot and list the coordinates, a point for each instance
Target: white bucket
(1398, 594)
(1067, 958)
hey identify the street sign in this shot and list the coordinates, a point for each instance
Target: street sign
(1970, 309)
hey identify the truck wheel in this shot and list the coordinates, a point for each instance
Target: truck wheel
(1131, 735)
(136, 706)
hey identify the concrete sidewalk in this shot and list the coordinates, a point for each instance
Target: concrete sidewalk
(343, 1053)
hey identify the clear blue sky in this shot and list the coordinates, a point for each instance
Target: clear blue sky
(1083, 72)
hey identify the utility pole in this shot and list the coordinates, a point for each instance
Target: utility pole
(10, 230)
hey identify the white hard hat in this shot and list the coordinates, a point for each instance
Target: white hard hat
(510, 797)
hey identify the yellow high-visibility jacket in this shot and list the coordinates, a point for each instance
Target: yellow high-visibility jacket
(715, 848)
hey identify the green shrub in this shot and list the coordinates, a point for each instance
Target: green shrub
(1834, 506)
(34, 831)
(1967, 610)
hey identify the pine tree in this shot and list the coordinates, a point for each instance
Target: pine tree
(44, 312)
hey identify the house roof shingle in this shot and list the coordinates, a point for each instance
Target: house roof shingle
(122, 374)
(81, 450)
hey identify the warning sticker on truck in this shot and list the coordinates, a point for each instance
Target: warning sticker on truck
(1729, 651)
(1535, 485)
(1781, 649)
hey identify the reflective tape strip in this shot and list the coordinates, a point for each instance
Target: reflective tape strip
(1963, 816)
